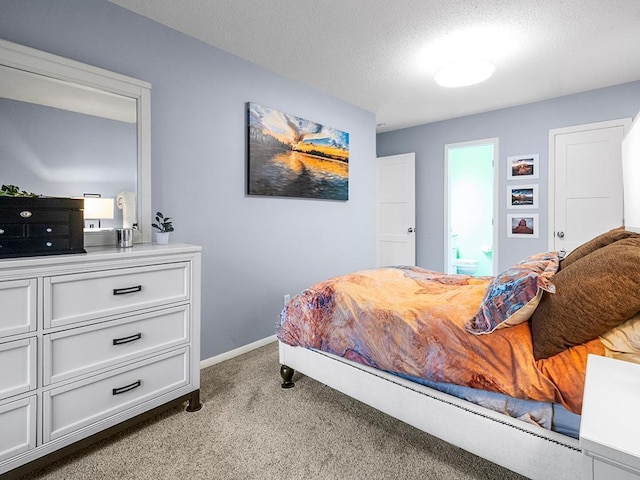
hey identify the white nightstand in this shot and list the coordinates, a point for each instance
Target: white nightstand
(610, 420)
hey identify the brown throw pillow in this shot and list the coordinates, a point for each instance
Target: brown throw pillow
(594, 294)
(595, 243)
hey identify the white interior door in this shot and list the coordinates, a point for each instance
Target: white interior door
(396, 210)
(585, 182)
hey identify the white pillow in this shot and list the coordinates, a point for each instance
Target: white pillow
(623, 342)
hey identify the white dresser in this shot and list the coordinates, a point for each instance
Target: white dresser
(89, 341)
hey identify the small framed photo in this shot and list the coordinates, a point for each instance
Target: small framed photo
(522, 196)
(523, 167)
(522, 226)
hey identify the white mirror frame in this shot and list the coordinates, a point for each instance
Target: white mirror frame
(36, 61)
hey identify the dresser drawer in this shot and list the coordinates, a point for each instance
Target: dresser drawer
(73, 406)
(48, 230)
(17, 367)
(82, 350)
(18, 303)
(78, 297)
(9, 230)
(18, 420)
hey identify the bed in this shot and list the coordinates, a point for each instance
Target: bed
(494, 365)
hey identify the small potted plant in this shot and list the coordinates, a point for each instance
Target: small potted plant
(164, 226)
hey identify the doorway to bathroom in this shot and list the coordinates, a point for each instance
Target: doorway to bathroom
(471, 239)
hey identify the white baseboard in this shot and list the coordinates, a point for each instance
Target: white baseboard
(235, 352)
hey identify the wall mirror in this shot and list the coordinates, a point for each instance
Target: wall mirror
(69, 129)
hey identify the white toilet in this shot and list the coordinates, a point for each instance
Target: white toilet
(466, 267)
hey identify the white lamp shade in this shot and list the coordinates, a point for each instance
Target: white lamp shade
(98, 208)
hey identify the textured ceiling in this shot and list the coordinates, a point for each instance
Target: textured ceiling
(381, 54)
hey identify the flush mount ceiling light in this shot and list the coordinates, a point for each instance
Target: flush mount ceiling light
(464, 73)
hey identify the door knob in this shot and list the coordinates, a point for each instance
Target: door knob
(410, 230)
(560, 234)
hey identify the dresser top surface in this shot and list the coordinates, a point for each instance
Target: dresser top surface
(103, 253)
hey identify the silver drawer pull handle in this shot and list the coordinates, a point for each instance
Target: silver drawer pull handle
(127, 388)
(124, 291)
(132, 338)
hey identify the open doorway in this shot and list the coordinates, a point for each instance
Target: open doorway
(470, 204)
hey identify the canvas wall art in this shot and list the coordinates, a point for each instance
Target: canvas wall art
(293, 157)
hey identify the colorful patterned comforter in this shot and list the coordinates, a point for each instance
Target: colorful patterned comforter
(411, 321)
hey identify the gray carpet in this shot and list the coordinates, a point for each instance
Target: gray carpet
(250, 428)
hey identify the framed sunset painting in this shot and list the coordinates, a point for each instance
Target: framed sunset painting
(289, 156)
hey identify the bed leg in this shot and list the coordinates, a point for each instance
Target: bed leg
(194, 402)
(287, 374)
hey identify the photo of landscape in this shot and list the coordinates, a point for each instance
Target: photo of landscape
(522, 166)
(293, 157)
(522, 196)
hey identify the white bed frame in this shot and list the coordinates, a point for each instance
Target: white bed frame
(529, 450)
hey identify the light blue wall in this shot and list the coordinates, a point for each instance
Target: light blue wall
(56, 152)
(520, 130)
(254, 249)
